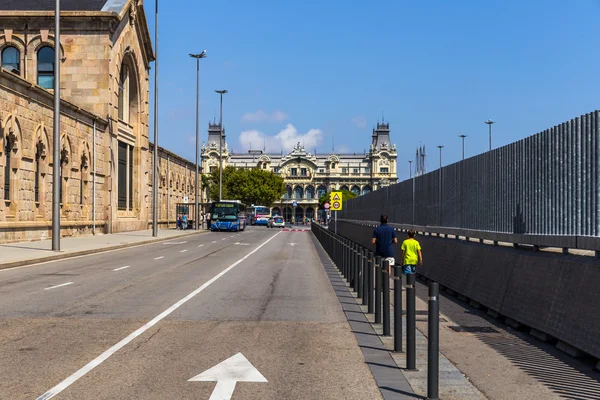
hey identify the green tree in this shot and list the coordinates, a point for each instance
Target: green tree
(346, 195)
(251, 186)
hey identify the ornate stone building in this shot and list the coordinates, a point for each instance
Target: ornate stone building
(309, 176)
(105, 151)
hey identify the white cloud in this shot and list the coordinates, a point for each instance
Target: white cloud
(359, 121)
(261, 116)
(285, 140)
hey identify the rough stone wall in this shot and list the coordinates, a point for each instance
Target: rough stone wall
(176, 181)
(26, 114)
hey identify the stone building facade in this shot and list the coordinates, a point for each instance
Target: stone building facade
(105, 54)
(309, 176)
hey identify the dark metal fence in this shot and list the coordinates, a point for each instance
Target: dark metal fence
(545, 184)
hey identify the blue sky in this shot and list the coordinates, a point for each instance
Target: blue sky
(320, 71)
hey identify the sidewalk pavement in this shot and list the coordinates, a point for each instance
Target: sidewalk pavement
(453, 385)
(25, 253)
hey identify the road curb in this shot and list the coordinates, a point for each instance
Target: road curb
(73, 254)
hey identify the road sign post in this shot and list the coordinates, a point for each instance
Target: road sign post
(336, 205)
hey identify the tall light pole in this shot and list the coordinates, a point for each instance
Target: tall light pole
(56, 139)
(463, 145)
(197, 57)
(155, 154)
(489, 122)
(441, 147)
(410, 168)
(221, 93)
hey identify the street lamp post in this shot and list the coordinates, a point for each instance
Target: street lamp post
(410, 168)
(56, 139)
(441, 147)
(197, 57)
(489, 122)
(221, 93)
(155, 154)
(440, 187)
(463, 145)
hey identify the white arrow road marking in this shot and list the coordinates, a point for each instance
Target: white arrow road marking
(242, 244)
(104, 356)
(118, 269)
(227, 374)
(175, 242)
(57, 286)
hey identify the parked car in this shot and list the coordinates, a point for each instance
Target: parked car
(276, 222)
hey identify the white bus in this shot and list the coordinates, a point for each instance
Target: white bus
(259, 215)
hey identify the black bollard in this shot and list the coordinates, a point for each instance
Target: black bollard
(359, 274)
(411, 339)
(345, 259)
(385, 277)
(433, 342)
(365, 278)
(397, 308)
(370, 283)
(357, 270)
(378, 289)
(351, 266)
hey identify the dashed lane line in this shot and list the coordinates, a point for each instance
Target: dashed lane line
(119, 269)
(158, 258)
(61, 285)
(200, 245)
(183, 251)
(104, 356)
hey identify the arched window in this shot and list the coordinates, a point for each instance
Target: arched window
(127, 93)
(11, 59)
(7, 151)
(45, 67)
(356, 190)
(288, 192)
(366, 190)
(310, 192)
(321, 191)
(298, 192)
(39, 148)
(124, 93)
(344, 187)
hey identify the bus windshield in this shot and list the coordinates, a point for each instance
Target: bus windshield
(225, 211)
(262, 210)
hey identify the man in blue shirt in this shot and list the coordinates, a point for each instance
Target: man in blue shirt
(384, 238)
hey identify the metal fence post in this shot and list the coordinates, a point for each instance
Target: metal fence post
(352, 267)
(385, 276)
(359, 274)
(357, 270)
(397, 308)
(378, 289)
(365, 278)
(411, 342)
(370, 283)
(433, 342)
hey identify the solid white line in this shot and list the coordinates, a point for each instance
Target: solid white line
(118, 269)
(57, 286)
(158, 258)
(183, 251)
(104, 356)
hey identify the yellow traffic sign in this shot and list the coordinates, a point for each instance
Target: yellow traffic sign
(336, 201)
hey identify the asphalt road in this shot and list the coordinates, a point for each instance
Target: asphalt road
(140, 322)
